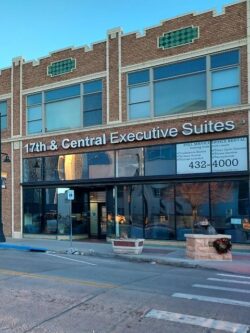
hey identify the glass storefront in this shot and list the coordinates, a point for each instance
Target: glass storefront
(159, 211)
(155, 192)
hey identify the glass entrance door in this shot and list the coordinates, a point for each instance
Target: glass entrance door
(98, 214)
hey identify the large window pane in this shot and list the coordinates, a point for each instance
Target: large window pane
(180, 95)
(224, 97)
(62, 93)
(63, 167)
(159, 211)
(129, 162)
(180, 68)
(140, 110)
(99, 164)
(63, 114)
(32, 211)
(129, 217)
(225, 78)
(192, 205)
(229, 206)
(160, 160)
(32, 169)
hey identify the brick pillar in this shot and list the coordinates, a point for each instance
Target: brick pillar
(113, 66)
(16, 133)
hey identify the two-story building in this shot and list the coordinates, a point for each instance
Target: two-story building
(139, 135)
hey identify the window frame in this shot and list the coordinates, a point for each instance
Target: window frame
(208, 81)
(44, 103)
(4, 116)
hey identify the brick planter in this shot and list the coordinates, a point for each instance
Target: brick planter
(127, 246)
(201, 247)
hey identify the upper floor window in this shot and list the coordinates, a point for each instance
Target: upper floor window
(225, 79)
(65, 108)
(3, 113)
(186, 86)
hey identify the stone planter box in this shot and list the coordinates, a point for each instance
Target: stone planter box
(127, 245)
(201, 247)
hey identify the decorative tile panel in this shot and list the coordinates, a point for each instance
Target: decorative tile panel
(61, 67)
(178, 37)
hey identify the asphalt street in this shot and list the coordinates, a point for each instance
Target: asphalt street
(46, 292)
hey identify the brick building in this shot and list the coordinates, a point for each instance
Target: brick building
(149, 131)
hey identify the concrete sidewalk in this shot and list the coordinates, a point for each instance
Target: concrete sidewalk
(172, 253)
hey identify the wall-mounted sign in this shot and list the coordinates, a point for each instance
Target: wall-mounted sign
(229, 155)
(212, 156)
(155, 133)
(193, 157)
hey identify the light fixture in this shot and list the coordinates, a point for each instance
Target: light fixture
(36, 165)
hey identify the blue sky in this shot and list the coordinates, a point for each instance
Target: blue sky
(32, 28)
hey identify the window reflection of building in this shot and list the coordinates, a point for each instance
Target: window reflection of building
(100, 165)
(129, 162)
(70, 166)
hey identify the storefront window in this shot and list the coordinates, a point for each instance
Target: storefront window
(129, 162)
(32, 211)
(99, 165)
(32, 170)
(160, 160)
(192, 205)
(229, 207)
(129, 218)
(159, 211)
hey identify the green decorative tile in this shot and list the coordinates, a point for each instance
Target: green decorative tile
(61, 67)
(178, 37)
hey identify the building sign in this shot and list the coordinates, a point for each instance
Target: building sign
(212, 156)
(113, 138)
(229, 155)
(193, 157)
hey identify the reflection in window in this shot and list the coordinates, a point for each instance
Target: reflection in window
(225, 74)
(32, 211)
(160, 160)
(130, 211)
(32, 169)
(167, 95)
(129, 162)
(159, 211)
(192, 205)
(63, 114)
(229, 206)
(99, 164)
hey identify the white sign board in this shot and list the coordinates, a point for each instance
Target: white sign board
(70, 195)
(229, 155)
(193, 157)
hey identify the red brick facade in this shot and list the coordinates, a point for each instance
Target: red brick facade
(111, 60)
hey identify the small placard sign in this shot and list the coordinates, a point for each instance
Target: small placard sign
(70, 195)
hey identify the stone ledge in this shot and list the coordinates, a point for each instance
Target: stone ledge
(199, 247)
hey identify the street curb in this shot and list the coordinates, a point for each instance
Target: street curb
(140, 259)
(22, 248)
